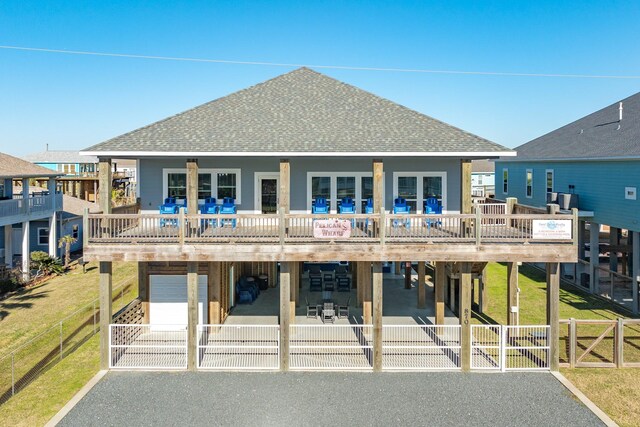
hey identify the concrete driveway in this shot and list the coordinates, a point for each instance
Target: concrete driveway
(329, 399)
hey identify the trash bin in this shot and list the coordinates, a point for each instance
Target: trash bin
(263, 282)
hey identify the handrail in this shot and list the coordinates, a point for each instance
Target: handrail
(378, 228)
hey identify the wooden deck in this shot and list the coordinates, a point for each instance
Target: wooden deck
(254, 237)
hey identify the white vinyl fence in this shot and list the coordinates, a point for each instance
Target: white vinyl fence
(420, 347)
(148, 346)
(239, 347)
(510, 348)
(331, 347)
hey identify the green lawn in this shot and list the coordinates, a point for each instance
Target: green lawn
(533, 299)
(37, 308)
(44, 397)
(32, 337)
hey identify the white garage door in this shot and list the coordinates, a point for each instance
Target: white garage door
(168, 300)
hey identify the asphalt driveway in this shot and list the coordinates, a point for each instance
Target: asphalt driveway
(332, 398)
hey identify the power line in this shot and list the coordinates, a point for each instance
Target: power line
(334, 67)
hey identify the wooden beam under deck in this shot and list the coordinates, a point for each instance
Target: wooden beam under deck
(329, 252)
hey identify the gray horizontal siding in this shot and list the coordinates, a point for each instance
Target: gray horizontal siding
(151, 177)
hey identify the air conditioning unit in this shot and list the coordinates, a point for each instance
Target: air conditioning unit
(567, 201)
(552, 198)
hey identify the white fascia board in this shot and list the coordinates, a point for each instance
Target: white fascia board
(466, 154)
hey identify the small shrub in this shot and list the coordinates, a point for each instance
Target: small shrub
(45, 264)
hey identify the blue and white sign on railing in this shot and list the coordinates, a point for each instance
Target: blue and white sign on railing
(551, 229)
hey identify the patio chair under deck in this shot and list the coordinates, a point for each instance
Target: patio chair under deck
(343, 309)
(312, 310)
(328, 312)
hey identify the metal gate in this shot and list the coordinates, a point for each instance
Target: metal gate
(330, 347)
(510, 348)
(526, 347)
(486, 347)
(239, 347)
(148, 346)
(420, 347)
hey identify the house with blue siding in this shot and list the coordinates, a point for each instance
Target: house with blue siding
(593, 164)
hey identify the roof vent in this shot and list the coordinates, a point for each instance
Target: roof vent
(620, 112)
(581, 131)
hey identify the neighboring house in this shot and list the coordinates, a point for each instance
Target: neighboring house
(80, 173)
(277, 148)
(18, 211)
(593, 164)
(482, 178)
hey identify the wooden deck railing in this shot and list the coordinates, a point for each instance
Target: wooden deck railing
(382, 228)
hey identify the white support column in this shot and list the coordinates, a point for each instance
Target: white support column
(635, 273)
(53, 220)
(8, 245)
(26, 254)
(594, 256)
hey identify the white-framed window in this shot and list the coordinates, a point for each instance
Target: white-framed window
(505, 181)
(416, 187)
(529, 183)
(334, 186)
(43, 236)
(74, 231)
(549, 180)
(218, 183)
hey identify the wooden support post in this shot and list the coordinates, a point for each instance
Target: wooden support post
(214, 288)
(452, 294)
(361, 277)
(377, 316)
(466, 203)
(614, 240)
(594, 256)
(553, 313)
(192, 315)
(619, 339)
(353, 268)
(192, 186)
(397, 265)
(572, 337)
(293, 290)
(285, 307)
(482, 292)
(465, 316)
(105, 185)
(422, 285)
(513, 315)
(284, 183)
(366, 293)
(553, 209)
(441, 280)
(106, 289)
(143, 289)
(407, 275)
(378, 185)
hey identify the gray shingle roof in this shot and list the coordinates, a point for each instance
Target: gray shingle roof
(299, 112)
(13, 167)
(599, 135)
(59, 156)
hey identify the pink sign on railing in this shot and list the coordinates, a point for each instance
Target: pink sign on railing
(332, 228)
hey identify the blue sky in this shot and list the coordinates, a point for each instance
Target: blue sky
(72, 102)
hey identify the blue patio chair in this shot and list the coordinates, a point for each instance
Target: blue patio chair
(170, 200)
(168, 209)
(432, 206)
(319, 206)
(400, 206)
(368, 209)
(210, 208)
(228, 208)
(347, 206)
